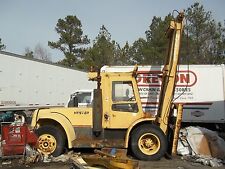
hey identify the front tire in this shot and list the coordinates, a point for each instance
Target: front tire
(51, 140)
(148, 142)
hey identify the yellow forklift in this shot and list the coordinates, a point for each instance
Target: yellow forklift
(116, 118)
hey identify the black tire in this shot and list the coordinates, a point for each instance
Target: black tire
(51, 132)
(145, 150)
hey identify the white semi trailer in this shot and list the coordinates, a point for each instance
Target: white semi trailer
(28, 84)
(201, 88)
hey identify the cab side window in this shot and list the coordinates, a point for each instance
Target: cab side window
(122, 91)
(123, 97)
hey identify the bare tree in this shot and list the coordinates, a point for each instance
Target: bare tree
(41, 53)
(28, 53)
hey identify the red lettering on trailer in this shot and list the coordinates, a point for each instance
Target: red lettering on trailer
(155, 80)
(146, 80)
(185, 78)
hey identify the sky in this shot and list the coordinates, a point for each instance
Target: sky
(26, 23)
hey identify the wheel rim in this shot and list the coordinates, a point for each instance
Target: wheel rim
(46, 144)
(149, 143)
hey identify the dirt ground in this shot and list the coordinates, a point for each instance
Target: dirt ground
(175, 163)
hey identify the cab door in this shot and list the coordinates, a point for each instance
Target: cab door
(123, 108)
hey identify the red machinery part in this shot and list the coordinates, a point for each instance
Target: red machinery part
(15, 137)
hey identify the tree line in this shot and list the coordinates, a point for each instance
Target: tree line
(203, 43)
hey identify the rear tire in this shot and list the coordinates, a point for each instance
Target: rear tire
(51, 140)
(148, 142)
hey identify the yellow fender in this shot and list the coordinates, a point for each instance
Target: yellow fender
(148, 120)
(63, 121)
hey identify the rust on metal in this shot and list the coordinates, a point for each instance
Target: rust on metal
(148, 115)
(117, 161)
(98, 143)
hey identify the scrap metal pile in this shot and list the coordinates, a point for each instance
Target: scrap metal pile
(201, 145)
